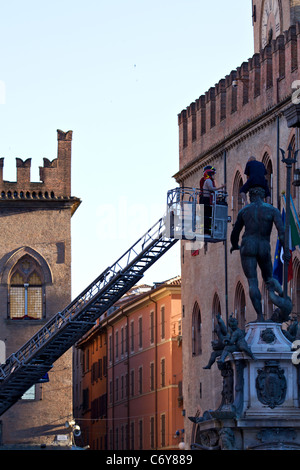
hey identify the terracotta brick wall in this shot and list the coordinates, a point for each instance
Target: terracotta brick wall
(248, 120)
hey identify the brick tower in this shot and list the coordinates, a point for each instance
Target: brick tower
(271, 18)
(35, 284)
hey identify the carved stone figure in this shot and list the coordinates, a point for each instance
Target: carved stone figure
(227, 439)
(268, 335)
(229, 340)
(228, 383)
(293, 331)
(236, 341)
(218, 345)
(258, 218)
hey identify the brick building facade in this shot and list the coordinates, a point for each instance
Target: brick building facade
(90, 388)
(128, 391)
(244, 114)
(35, 284)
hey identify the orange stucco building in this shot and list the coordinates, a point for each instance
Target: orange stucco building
(141, 339)
(90, 389)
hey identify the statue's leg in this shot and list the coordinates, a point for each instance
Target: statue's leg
(255, 297)
(213, 358)
(276, 294)
(228, 349)
(249, 265)
(265, 264)
(224, 354)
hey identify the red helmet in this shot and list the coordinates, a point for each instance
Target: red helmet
(208, 173)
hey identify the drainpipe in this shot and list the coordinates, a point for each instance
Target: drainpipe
(225, 244)
(278, 165)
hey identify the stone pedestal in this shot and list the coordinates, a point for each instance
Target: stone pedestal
(260, 405)
(271, 385)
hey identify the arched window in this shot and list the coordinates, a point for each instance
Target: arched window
(240, 305)
(269, 176)
(293, 187)
(237, 202)
(196, 331)
(296, 287)
(216, 309)
(26, 290)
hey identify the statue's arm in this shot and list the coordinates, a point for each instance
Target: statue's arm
(279, 225)
(222, 325)
(235, 234)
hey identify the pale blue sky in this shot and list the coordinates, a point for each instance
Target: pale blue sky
(117, 73)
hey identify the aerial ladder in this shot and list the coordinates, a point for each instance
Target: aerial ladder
(36, 357)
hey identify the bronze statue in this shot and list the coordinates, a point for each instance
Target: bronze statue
(258, 218)
(218, 345)
(231, 339)
(236, 341)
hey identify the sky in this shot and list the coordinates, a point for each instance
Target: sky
(117, 73)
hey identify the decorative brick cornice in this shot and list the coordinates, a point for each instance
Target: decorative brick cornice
(232, 140)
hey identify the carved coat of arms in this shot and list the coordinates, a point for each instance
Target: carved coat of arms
(271, 384)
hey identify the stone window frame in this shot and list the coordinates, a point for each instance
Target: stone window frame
(7, 269)
(26, 278)
(240, 304)
(237, 203)
(267, 161)
(196, 331)
(295, 287)
(216, 309)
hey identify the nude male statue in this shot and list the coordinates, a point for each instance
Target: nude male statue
(258, 218)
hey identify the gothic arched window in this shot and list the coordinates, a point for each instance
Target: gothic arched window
(196, 331)
(293, 187)
(26, 290)
(216, 310)
(237, 202)
(240, 305)
(296, 287)
(269, 176)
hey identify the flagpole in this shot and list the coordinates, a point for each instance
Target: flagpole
(289, 162)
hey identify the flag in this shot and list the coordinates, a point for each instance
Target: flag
(294, 234)
(294, 240)
(278, 266)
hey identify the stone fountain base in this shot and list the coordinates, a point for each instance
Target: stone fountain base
(260, 407)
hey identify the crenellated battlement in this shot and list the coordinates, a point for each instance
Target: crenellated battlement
(55, 175)
(259, 84)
